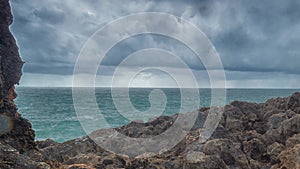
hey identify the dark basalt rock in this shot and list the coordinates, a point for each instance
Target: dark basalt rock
(11, 63)
(16, 135)
(11, 158)
(294, 102)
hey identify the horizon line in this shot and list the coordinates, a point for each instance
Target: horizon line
(153, 87)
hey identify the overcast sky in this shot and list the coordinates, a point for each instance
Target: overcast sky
(258, 41)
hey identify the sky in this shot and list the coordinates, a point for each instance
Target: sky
(258, 41)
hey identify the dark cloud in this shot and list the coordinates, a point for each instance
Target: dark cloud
(133, 44)
(258, 38)
(250, 36)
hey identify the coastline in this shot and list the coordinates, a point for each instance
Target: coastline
(59, 120)
(249, 135)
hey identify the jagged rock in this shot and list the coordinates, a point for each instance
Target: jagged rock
(18, 132)
(271, 112)
(227, 151)
(290, 158)
(233, 118)
(206, 162)
(228, 147)
(275, 120)
(277, 103)
(291, 126)
(294, 102)
(46, 143)
(274, 150)
(10, 158)
(81, 166)
(295, 139)
(256, 149)
(11, 63)
(64, 151)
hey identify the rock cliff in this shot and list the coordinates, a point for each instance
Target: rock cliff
(16, 135)
(249, 136)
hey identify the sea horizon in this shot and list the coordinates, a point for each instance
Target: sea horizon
(151, 87)
(52, 113)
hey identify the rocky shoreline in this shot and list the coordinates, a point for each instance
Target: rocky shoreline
(249, 135)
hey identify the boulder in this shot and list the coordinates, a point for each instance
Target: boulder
(294, 102)
(290, 158)
(274, 150)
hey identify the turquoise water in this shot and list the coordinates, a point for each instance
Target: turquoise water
(52, 113)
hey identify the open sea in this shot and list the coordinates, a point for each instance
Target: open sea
(52, 114)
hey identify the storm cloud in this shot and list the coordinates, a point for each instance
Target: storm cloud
(258, 41)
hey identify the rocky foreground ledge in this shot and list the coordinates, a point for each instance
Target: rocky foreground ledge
(250, 135)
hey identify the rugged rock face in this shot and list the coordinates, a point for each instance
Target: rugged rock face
(249, 136)
(16, 135)
(11, 63)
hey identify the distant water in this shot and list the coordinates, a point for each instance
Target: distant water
(52, 114)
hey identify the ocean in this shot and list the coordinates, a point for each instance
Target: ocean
(52, 114)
